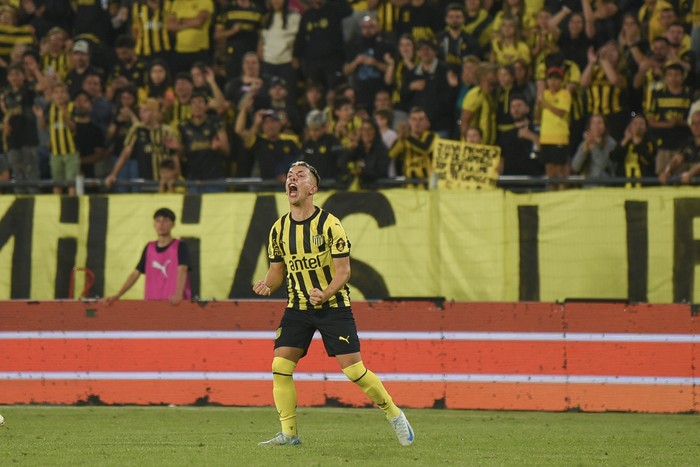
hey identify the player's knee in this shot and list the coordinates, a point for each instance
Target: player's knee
(282, 366)
(355, 372)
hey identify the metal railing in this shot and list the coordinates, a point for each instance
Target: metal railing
(509, 182)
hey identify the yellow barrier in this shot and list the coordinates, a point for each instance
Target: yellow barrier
(468, 246)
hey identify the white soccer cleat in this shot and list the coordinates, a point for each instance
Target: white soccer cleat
(403, 429)
(281, 440)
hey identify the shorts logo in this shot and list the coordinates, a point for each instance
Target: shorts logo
(317, 240)
(346, 339)
(278, 333)
(340, 244)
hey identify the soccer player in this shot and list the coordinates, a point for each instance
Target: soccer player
(310, 247)
(165, 262)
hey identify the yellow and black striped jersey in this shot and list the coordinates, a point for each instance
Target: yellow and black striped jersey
(483, 113)
(14, 35)
(178, 113)
(602, 97)
(60, 135)
(417, 154)
(152, 33)
(307, 249)
(58, 64)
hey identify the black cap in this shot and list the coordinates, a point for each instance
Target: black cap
(165, 212)
(278, 81)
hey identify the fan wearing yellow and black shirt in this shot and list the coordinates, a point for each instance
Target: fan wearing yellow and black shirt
(416, 148)
(148, 22)
(310, 248)
(479, 105)
(65, 161)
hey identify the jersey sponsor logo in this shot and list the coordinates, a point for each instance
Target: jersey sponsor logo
(303, 264)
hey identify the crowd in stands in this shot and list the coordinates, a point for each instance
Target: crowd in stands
(173, 90)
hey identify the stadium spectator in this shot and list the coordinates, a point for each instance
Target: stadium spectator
(277, 100)
(454, 43)
(80, 60)
(204, 80)
(366, 66)
(687, 159)
(399, 69)
(182, 91)
(370, 160)
(89, 138)
(668, 113)
(574, 40)
(322, 149)
(420, 19)
(479, 106)
(148, 142)
(635, 156)
(250, 82)
(605, 85)
(346, 124)
(189, 21)
(477, 22)
(507, 47)
(433, 87)
(55, 59)
(504, 121)
(650, 16)
(270, 152)
(165, 262)
(543, 37)
(129, 68)
(101, 106)
(158, 84)
(168, 176)
(415, 147)
(650, 73)
(593, 157)
(11, 33)
(238, 27)
(149, 28)
(124, 117)
(554, 131)
(204, 147)
(280, 27)
(20, 129)
(318, 48)
(57, 120)
(520, 144)
(524, 20)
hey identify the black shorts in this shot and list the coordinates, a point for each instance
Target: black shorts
(336, 325)
(554, 154)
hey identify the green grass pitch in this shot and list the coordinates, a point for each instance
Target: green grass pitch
(154, 436)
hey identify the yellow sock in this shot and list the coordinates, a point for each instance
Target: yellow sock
(285, 394)
(373, 387)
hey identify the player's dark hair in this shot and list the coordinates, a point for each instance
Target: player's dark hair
(311, 168)
(165, 212)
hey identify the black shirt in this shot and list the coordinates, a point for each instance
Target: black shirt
(22, 122)
(326, 155)
(88, 137)
(202, 162)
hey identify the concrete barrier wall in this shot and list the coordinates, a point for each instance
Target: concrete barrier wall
(511, 356)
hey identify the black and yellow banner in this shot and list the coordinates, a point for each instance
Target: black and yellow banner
(459, 165)
(637, 245)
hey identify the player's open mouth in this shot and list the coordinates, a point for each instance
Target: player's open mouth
(291, 189)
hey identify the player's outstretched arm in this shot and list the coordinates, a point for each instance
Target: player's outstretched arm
(131, 280)
(273, 280)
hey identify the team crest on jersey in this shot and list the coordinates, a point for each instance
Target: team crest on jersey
(317, 240)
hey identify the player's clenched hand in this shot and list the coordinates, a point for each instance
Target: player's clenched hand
(261, 288)
(316, 296)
